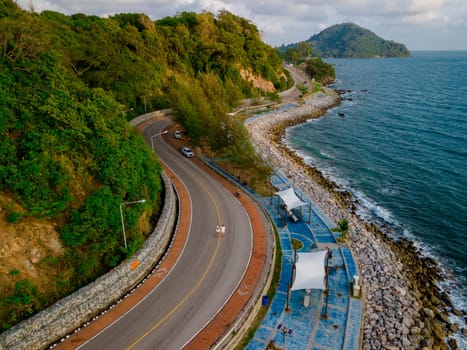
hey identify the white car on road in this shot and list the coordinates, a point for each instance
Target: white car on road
(187, 152)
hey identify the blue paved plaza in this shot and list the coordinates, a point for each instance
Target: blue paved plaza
(332, 324)
(323, 324)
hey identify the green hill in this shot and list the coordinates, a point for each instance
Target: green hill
(348, 40)
(68, 157)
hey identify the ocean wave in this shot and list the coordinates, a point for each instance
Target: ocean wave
(388, 191)
(452, 283)
(369, 210)
(455, 151)
(413, 130)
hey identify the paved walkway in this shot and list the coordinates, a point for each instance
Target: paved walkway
(300, 327)
(333, 325)
(238, 302)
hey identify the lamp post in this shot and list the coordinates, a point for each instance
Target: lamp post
(158, 134)
(326, 291)
(284, 332)
(123, 222)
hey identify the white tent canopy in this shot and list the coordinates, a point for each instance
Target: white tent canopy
(310, 271)
(290, 198)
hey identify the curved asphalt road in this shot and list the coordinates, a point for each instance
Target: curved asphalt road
(206, 273)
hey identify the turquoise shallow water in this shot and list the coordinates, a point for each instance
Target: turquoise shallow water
(401, 149)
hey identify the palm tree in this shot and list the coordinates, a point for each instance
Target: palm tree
(343, 227)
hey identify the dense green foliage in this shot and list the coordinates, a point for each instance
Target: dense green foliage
(321, 71)
(22, 303)
(301, 55)
(352, 41)
(68, 156)
(67, 153)
(297, 53)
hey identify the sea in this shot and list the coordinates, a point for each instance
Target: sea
(398, 142)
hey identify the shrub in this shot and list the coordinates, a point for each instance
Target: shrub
(14, 217)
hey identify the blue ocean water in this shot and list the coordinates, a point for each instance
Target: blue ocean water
(401, 149)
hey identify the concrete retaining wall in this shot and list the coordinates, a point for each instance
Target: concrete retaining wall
(69, 313)
(151, 116)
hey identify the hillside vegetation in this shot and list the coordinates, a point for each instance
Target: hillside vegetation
(301, 55)
(68, 158)
(348, 40)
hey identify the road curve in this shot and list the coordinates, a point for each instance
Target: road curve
(206, 273)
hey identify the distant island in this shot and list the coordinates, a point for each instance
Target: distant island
(348, 40)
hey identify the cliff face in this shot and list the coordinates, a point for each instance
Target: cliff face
(350, 40)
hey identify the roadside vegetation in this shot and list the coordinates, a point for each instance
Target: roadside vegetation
(68, 158)
(302, 56)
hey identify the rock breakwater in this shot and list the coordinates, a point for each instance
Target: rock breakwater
(403, 306)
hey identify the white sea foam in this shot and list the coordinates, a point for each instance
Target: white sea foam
(370, 210)
(451, 284)
(387, 191)
(326, 155)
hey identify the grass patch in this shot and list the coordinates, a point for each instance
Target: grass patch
(14, 217)
(296, 244)
(250, 176)
(317, 87)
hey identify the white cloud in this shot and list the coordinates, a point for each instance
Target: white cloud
(287, 21)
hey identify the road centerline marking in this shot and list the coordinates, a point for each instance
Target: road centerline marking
(203, 276)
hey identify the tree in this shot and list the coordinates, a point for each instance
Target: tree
(297, 54)
(304, 50)
(319, 70)
(343, 226)
(67, 153)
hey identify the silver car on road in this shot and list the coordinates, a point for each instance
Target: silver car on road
(187, 152)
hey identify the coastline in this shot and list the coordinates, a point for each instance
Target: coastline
(403, 304)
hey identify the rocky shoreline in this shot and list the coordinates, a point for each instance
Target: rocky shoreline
(404, 308)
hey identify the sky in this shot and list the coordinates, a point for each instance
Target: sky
(419, 24)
